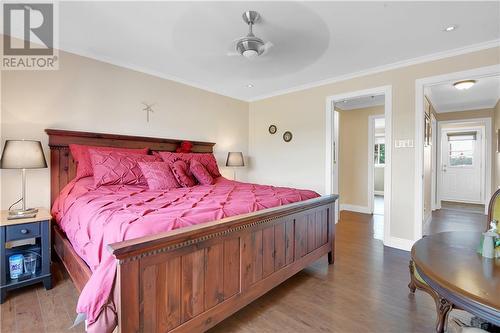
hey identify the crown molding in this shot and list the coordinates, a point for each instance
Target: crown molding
(383, 68)
(373, 70)
(483, 106)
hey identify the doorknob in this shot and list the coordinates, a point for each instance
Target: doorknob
(444, 168)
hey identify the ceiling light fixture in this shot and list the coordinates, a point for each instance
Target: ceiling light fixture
(250, 46)
(450, 28)
(464, 85)
(249, 85)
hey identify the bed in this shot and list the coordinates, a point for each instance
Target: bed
(193, 277)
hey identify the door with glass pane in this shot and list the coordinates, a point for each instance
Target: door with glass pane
(461, 166)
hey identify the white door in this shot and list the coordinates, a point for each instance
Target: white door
(461, 165)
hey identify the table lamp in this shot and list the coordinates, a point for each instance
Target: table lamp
(235, 159)
(22, 154)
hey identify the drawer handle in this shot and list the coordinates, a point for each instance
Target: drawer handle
(24, 231)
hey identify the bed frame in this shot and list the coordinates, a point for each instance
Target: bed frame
(190, 279)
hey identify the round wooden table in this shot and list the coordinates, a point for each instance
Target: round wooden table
(449, 268)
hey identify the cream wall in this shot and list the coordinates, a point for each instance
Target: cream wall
(301, 162)
(353, 155)
(90, 95)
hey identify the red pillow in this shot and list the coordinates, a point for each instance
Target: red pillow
(200, 173)
(181, 172)
(206, 159)
(158, 175)
(114, 168)
(81, 156)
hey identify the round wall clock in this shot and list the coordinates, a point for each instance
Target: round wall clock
(287, 136)
(273, 129)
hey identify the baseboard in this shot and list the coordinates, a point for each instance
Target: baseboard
(399, 243)
(378, 192)
(355, 208)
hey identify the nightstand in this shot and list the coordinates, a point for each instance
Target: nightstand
(23, 236)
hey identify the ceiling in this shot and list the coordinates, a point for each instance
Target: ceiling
(483, 95)
(360, 102)
(313, 41)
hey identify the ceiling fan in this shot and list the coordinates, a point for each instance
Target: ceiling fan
(250, 46)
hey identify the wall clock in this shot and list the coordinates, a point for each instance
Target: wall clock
(287, 136)
(273, 129)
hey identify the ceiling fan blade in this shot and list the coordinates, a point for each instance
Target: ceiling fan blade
(232, 48)
(267, 46)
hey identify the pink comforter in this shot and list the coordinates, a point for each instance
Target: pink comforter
(93, 218)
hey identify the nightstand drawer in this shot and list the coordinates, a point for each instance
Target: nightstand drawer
(21, 231)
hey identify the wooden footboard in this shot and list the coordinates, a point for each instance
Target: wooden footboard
(191, 279)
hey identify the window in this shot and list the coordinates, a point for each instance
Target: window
(461, 149)
(379, 151)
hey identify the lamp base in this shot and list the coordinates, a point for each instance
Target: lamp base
(22, 213)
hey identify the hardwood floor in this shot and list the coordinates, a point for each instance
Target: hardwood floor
(364, 291)
(456, 220)
(34, 309)
(464, 207)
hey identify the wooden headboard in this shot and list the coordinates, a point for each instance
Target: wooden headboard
(63, 166)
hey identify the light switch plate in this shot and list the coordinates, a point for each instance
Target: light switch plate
(404, 143)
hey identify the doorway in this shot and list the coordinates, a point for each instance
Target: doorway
(464, 106)
(462, 160)
(377, 146)
(334, 174)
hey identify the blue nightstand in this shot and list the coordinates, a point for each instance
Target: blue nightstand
(23, 236)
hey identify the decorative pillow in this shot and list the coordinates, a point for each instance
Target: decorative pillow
(206, 159)
(81, 156)
(114, 168)
(181, 172)
(158, 175)
(200, 173)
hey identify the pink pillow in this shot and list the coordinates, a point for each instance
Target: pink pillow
(158, 175)
(81, 156)
(182, 174)
(206, 159)
(200, 173)
(114, 168)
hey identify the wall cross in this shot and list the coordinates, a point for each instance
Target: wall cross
(149, 109)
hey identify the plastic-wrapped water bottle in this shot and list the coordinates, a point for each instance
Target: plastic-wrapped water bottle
(16, 265)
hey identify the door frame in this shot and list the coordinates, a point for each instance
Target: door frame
(420, 84)
(486, 158)
(435, 204)
(329, 177)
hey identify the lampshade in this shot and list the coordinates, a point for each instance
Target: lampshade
(22, 154)
(235, 159)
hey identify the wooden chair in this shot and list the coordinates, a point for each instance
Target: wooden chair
(493, 209)
(443, 306)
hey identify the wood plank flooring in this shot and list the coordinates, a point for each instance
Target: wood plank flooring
(456, 220)
(364, 291)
